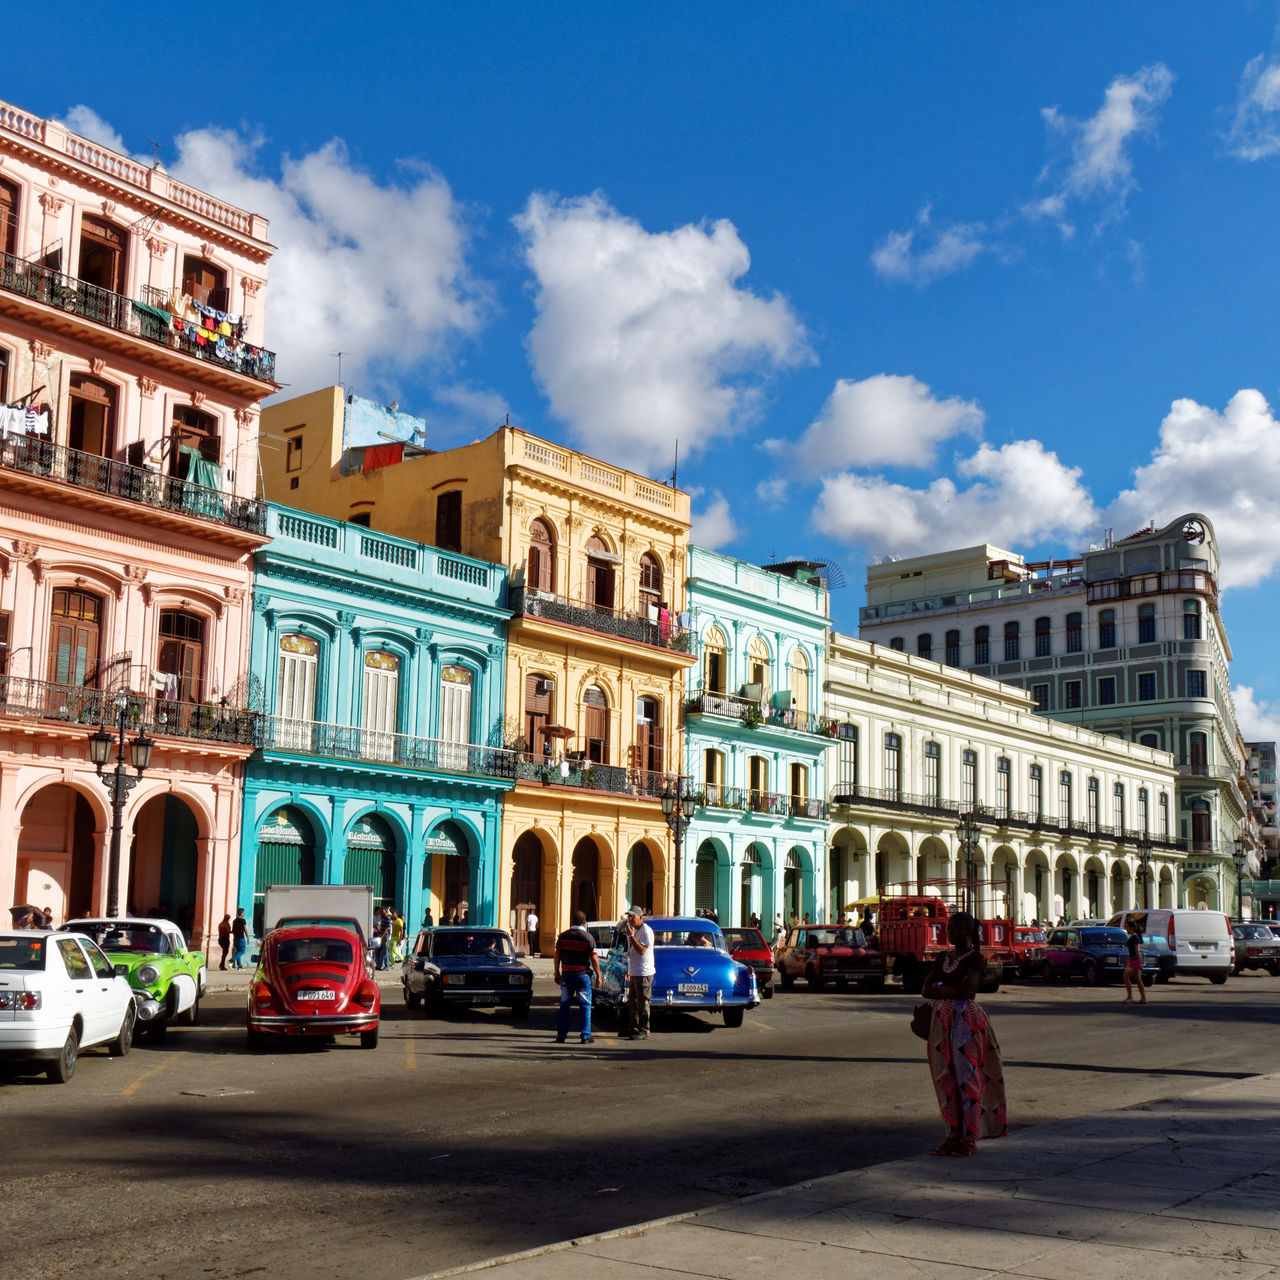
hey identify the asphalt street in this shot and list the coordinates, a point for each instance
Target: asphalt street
(475, 1135)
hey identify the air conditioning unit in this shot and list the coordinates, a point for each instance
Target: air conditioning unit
(545, 686)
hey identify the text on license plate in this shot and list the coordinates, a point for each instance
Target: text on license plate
(484, 999)
(317, 995)
(691, 988)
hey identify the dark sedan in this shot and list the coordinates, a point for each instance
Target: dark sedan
(1094, 953)
(1256, 948)
(457, 965)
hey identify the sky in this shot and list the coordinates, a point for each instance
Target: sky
(890, 278)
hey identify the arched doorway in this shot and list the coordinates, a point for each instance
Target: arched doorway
(447, 874)
(750, 902)
(1202, 893)
(797, 886)
(286, 855)
(584, 889)
(55, 866)
(704, 878)
(371, 858)
(163, 866)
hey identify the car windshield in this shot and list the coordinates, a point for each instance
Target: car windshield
(313, 950)
(472, 944)
(120, 935)
(748, 939)
(1104, 938)
(24, 954)
(1031, 935)
(836, 938)
(687, 938)
(603, 934)
(1253, 931)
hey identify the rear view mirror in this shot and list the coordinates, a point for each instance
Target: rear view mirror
(122, 970)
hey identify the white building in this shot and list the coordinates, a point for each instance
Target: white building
(1065, 816)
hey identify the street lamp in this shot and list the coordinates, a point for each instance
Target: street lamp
(1144, 863)
(1238, 856)
(677, 807)
(967, 830)
(119, 783)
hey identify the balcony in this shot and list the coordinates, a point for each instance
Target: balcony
(1220, 773)
(770, 803)
(530, 603)
(34, 456)
(67, 296)
(588, 776)
(75, 704)
(1150, 584)
(748, 711)
(400, 750)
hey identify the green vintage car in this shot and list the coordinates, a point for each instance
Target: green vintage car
(167, 979)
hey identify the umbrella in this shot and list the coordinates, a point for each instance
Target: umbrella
(22, 912)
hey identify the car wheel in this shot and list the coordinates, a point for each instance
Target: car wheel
(256, 1041)
(815, 979)
(369, 1039)
(433, 1002)
(123, 1042)
(520, 1009)
(872, 984)
(1218, 979)
(787, 979)
(1090, 973)
(1047, 973)
(733, 1017)
(192, 1015)
(63, 1067)
(411, 998)
(1164, 976)
(767, 992)
(913, 979)
(1274, 970)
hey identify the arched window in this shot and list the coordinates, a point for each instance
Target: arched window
(542, 558)
(932, 778)
(1012, 643)
(953, 648)
(968, 779)
(924, 645)
(8, 218)
(205, 283)
(1198, 744)
(449, 520)
(181, 655)
(539, 697)
(194, 439)
(758, 665)
(758, 775)
(1117, 807)
(714, 651)
(893, 764)
(595, 724)
(897, 643)
(1075, 632)
(1035, 791)
(91, 423)
(649, 735)
(981, 646)
(1064, 797)
(798, 679)
(380, 704)
(456, 685)
(1093, 800)
(1149, 740)
(1146, 624)
(650, 585)
(600, 573)
(297, 663)
(713, 775)
(104, 251)
(75, 627)
(1191, 620)
(4, 375)
(1144, 811)
(1004, 776)
(1044, 638)
(1107, 629)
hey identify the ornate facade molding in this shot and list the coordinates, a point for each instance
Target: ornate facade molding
(41, 351)
(148, 386)
(51, 204)
(246, 417)
(251, 286)
(159, 247)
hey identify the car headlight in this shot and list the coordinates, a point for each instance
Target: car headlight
(517, 979)
(148, 973)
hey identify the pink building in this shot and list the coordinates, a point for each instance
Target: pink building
(131, 318)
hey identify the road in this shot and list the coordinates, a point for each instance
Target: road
(462, 1138)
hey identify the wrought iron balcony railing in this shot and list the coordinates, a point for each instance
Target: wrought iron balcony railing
(589, 776)
(531, 603)
(75, 704)
(141, 320)
(37, 457)
(747, 800)
(749, 711)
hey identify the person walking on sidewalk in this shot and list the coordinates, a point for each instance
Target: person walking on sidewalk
(239, 939)
(964, 1056)
(640, 971)
(575, 965)
(224, 939)
(1133, 967)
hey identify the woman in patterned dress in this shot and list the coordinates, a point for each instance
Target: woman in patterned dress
(964, 1057)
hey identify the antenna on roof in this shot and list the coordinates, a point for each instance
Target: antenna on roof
(675, 466)
(339, 355)
(156, 149)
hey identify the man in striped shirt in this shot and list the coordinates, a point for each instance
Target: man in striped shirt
(575, 964)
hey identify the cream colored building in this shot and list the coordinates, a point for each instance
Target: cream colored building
(1064, 816)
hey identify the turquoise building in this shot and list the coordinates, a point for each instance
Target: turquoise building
(381, 664)
(755, 740)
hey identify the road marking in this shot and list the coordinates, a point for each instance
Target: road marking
(764, 1026)
(410, 1059)
(133, 1088)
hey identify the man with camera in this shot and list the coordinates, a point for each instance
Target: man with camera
(640, 971)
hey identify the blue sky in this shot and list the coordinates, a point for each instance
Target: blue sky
(898, 277)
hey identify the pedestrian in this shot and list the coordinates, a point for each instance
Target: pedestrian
(381, 939)
(1133, 967)
(47, 921)
(239, 939)
(532, 926)
(964, 1056)
(640, 971)
(397, 936)
(575, 965)
(428, 920)
(779, 930)
(224, 939)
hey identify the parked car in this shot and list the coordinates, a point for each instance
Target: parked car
(1256, 948)
(747, 946)
(604, 932)
(313, 980)
(1029, 943)
(456, 964)
(1095, 953)
(167, 978)
(58, 995)
(829, 953)
(1199, 943)
(694, 972)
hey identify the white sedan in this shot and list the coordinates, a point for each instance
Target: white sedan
(59, 994)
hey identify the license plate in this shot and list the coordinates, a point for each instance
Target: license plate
(316, 995)
(692, 989)
(484, 999)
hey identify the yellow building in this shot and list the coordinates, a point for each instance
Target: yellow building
(597, 648)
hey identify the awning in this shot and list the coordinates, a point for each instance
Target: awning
(153, 313)
(558, 731)
(871, 900)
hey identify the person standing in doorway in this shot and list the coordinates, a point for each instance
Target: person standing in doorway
(575, 965)
(640, 971)
(239, 939)
(224, 939)
(1133, 968)
(532, 926)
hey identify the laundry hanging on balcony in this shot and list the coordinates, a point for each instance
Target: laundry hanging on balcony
(202, 492)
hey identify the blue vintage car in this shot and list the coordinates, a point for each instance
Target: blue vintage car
(694, 972)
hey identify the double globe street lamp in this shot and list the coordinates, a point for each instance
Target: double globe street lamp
(119, 784)
(1144, 863)
(1239, 857)
(678, 806)
(968, 831)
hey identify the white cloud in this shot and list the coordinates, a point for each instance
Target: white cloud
(941, 251)
(884, 419)
(1098, 166)
(1255, 130)
(1019, 494)
(1259, 721)
(645, 338)
(773, 492)
(89, 124)
(714, 525)
(1226, 465)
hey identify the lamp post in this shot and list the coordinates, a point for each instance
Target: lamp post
(968, 832)
(119, 783)
(1238, 856)
(1144, 863)
(677, 807)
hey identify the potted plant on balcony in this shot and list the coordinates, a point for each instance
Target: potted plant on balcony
(752, 717)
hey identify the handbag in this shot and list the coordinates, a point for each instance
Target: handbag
(921, 1017)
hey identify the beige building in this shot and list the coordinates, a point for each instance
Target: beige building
(597, 648)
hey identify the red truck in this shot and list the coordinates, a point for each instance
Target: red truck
(912, 931)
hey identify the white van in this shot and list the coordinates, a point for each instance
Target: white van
(1200, 942)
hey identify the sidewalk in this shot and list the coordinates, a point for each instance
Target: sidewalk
(1186, 1188)
(238, 979)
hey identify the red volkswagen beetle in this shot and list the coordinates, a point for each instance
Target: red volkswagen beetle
(313, 980)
